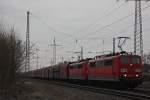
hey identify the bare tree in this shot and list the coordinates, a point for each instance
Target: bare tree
(11, 59)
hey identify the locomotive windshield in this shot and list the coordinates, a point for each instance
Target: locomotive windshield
(136, 60)
(125, 60)
(130, 59)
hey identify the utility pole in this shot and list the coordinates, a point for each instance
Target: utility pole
(114, 45)
(27, 63)
(138, 37)
(103, 46)
(103, 43)
(37, 59)
(81, 52)
(62, 59)
(54, 50)
(51, 62)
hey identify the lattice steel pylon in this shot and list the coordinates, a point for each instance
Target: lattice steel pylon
(138, 37)
(54, 51)
(27, 61)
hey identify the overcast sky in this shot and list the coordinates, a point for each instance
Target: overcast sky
(74, 23)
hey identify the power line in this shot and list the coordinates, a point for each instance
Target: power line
(122, 31)
(49, 27)
(102, 17)
(55, 31)
(128, 27)
(108, 25)
(61, 32)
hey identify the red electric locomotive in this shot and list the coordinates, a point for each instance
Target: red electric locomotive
(122, 68)
(78, 70)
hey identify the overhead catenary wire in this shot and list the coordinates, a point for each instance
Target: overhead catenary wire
(108, 13)
(122, 31)
(67, 34)
(86, 34)
(127, 28)
(49, 27)
(119, 32)
(104, 27)
(108, 25)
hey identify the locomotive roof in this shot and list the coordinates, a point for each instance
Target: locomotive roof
(114, 55)
(106, 56)
(100, 57)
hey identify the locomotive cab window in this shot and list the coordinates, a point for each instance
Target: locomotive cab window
(100, 63)
(124, 60)
(76, 66)
(92, 64)
(135, 60)
(108, 62)
(79, 66)
(71, 67)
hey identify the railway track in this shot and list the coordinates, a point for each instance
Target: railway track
(133, 94)
(141, 91)
(145, 85)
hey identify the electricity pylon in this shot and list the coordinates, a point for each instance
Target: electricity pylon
(54, 51)
(138, 37)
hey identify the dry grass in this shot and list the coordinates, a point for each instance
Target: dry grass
(40, 90)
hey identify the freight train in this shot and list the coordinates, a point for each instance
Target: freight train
(123, 69)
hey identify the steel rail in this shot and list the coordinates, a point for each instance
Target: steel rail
(120, 93)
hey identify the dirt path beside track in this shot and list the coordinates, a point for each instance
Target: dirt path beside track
(44, 90)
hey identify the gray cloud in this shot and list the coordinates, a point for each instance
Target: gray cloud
(69, 16)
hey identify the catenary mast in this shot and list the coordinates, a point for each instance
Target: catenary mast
(138, 37)
(27, 63)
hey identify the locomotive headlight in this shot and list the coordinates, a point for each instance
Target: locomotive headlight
(123, 70)
(137, 75)
(138, 70)
(125, 75)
